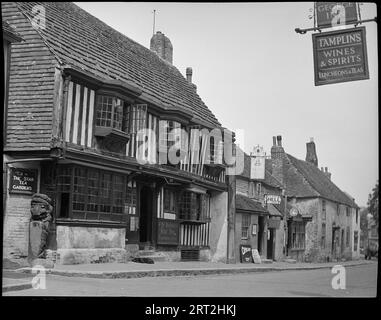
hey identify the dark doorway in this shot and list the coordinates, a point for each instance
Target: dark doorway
(270, 243)
(260, 234)
(146, 209)
(335, 242)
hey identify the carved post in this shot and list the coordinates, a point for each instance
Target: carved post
(41, 209)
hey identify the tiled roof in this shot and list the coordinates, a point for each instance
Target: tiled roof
(245, 203)
(269, 178)
(87, 44)
(304, 179)
(10, 33)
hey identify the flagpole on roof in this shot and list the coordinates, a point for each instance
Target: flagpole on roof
(153, 28)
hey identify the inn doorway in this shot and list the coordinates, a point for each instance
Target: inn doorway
(146, 215)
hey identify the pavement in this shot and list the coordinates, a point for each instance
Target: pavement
(20, 279)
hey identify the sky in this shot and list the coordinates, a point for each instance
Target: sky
(256, 74)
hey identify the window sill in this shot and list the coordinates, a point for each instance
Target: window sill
(89, 223)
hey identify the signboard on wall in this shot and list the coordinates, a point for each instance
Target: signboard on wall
(340, 56)
(257, 163)
(332, 14)
(23, 180)
(246, 254)
(272, 199)
(167, 232)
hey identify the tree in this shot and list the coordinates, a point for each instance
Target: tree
(373, 203)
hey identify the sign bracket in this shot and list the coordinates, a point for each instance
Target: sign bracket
(304, 31)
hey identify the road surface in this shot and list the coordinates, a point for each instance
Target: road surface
(361, 281)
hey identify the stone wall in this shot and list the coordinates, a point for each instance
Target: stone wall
(90, 245)
(16, 216)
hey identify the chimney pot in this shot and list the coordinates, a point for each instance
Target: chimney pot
(326, 169)
(279, 139)
(274, 141)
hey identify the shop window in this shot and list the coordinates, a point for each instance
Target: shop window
(259, 189)
(131, 198)
(169, 201)
(355, 240)
(193, 206)
(92, 194)
(323, 210)
(298, 235)
(323, 235)
(245, 226)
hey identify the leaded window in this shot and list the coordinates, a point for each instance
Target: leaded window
(245, 226)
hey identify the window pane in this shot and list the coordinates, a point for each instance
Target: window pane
(92, 190)
(105, 192)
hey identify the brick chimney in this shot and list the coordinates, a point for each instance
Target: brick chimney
(277, 158)
(328, 174)
(162, 46)
(311, 156)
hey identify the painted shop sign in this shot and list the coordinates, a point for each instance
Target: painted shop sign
(332, 14)
(167, 232)
(23, 180)
(272, 199)
(246, 256)
(340, 56)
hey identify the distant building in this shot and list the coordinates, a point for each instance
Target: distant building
(321, 222)
(258, 223)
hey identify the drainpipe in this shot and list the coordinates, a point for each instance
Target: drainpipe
(230, 249)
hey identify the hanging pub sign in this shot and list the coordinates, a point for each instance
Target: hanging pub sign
(23, 180)
(257, 163)
(246, 256)
(340, 56)
(333, 14)
(272, 199)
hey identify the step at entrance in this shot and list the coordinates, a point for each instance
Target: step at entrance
(152, 254)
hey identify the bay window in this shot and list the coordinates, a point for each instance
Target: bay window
(93, 194)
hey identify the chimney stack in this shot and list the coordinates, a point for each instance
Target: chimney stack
(277, 158)
(162, 46)
(311, 156)
(328, 174)
(189, 73)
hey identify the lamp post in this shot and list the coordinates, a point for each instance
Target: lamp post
(367, 250)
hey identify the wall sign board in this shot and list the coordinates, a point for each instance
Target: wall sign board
(273, 199)
(331, 14)
(340, 56)
(23, 180)
(167, 231)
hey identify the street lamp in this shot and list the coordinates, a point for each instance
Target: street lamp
(367, 250)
